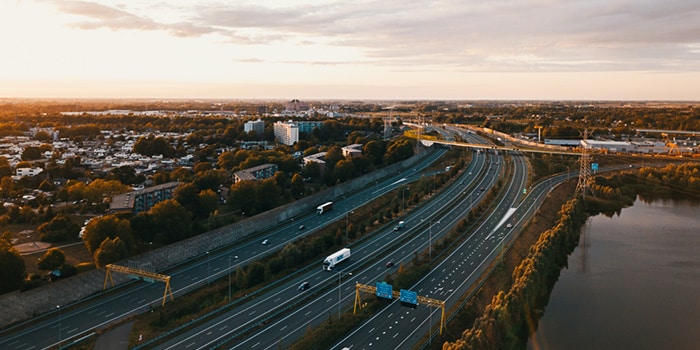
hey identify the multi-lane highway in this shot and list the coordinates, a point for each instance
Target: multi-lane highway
(83, 318)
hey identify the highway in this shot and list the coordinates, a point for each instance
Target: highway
(309, 308)
(83, 318)
(400, 327)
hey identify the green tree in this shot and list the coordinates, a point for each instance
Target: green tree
(60, 228)
(12, 268)
(207, 202)
(52, 259)
(109, 251)
(173, 221)
(242, 195)
(108, 226)
(31, 153)
(297, 184)
(226, 160)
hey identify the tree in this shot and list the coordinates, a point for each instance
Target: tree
(60, 228)
(12, 268)
(374, 150)
(186, 195)
(108, 226)
(242, 195)
(173, 221)
(333, 156)
(207, 201)
(126, 175)
(52, 259)
(297, 184)
(110, 250)
(31, 153)
(226, 160)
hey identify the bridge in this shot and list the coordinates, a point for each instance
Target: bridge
(512, 148)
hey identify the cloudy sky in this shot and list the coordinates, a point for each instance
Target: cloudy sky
(360, 49)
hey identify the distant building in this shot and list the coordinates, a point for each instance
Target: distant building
(308, 126)
(258, 126)
(352, 151)
(286, 132)
(255, 173)
(142, 200)
(31, 172)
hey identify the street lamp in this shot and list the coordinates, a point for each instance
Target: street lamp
(346, 225)
(340, 274)
(58, 307)
(403, 191)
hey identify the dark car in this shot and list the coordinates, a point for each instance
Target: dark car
(304, 286)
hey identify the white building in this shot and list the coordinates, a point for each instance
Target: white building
(286, 132)
(28, 171)
(258, 126)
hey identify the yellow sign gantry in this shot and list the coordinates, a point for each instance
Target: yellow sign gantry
(145, 275)
(424, 300)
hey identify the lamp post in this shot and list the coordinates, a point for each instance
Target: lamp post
(340, 274)
(403, 191)
(430, 241)
(58, 307)
(346, 225)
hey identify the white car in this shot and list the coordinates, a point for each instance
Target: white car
(509, 226)
(265, 242)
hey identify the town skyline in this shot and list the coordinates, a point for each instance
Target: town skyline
(444, 50)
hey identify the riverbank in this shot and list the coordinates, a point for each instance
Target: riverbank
(501, 278)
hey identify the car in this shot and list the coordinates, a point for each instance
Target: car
(304, 286)
(390, 264)
(266, 242)
(301, 227)
(396, 228)
(509, 225)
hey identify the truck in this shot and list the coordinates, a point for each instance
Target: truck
(330, 261)
(324, 208)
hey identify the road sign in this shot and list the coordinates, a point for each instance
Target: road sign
(384, 290)
(594, 166)
(408, 298)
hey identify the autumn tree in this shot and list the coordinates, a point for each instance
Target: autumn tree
(60, 228)
(12, 268)
(52, 259)
(108, 226)
(110, 250)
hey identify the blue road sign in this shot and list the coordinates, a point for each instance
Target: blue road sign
(408, 296)
(384, 290)
(594, 166)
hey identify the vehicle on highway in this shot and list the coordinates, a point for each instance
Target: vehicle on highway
(399, 226)
(390, 264)
(330, 261)
(266, 242)
(304, 286)
(301, 227)
(509, 225)
(324, 208)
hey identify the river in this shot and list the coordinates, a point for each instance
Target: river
(632, 283)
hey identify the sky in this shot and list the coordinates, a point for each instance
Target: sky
(360, 49)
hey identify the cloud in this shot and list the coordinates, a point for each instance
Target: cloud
(499, 35)
(99, 16)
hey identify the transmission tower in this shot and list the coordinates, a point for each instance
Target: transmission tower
(584, 174)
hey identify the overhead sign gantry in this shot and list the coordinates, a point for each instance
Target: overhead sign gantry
(407, 298)
(139, 274)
